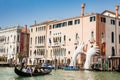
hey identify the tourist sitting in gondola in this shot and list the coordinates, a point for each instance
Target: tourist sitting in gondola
(25, 69)
(36, 70)
(28, 70)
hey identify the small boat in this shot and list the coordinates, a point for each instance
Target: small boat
(21, 73)
(95, 67)
(71, 68)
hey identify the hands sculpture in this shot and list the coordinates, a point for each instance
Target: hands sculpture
(79, 50)
(92, 51)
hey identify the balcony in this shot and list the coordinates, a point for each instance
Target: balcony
(38, 56)
(40, 45)
(76, 42)
(64, 44)
(55, 44)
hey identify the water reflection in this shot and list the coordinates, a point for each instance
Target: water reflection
(8, 74)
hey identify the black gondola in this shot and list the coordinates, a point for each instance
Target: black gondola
(96, 67)
(21, 73)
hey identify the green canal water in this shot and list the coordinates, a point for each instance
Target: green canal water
(7, 73)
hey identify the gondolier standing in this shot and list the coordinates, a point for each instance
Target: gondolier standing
(24, 60)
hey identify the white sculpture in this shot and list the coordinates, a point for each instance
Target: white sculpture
(79, 50)
(91, 52)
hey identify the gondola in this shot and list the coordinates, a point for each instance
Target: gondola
(24, 74)
(95, 67)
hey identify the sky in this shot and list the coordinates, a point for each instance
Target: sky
(25, 12)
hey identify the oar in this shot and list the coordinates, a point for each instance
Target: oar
(31, 74)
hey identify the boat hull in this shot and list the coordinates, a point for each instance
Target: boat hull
(21, 73)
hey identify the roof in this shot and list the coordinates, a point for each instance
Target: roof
(43, 23)
(109, 12)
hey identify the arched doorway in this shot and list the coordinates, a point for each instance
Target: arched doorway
(68, 61)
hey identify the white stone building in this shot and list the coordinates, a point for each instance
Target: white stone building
(10, 42)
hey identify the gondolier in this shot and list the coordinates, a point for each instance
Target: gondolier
(24, 60)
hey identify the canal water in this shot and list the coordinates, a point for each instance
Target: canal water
(7, 73)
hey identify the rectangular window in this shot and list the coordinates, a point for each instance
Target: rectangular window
(70, 23)
(103, 19)
(18, 38)
(43, 39)
(64, 37)
(119, 23)
(14, 38)
(31, 41)
(36, 29)
(38, 39)
(17, 49)
(77, 21)
(112, 37)
(35, 40)
(59, 25)
(30, 52)
(64, 24)
(31, 30)
(44, 28)
(112, 21)
(50, 33)
(92, 18)
(50, 27)
(60, 39)
(119, 38)
(54, 26)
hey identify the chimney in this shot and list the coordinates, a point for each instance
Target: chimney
(82, 6)
(117, 8)
(25, 28)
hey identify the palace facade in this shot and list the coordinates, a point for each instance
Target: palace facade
(13, 42)
(57, 40)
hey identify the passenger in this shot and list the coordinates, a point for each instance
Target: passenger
(36, 70)
(29, 70)
(42, 70)
(43, 64)
(25, 69)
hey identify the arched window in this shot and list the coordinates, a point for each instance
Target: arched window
(113, 52)
(42, 39)
(76, 47)
(35, 40)
(76, 37)
(102, 37)
(92, 34)
(30, 40)
(119, 38)
(112, 37)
